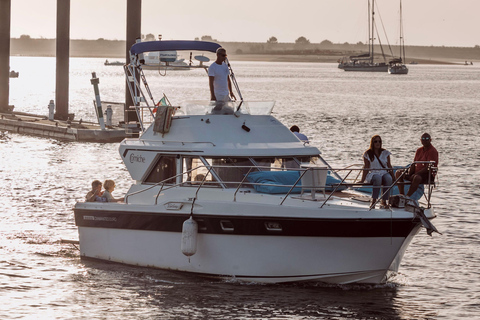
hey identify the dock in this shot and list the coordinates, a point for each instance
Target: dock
(82, 131)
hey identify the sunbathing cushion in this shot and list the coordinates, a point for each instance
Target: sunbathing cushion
(285, 178)
(275, 178)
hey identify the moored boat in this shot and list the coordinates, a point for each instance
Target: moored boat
(366, 62)
(397, 65)
(226, 190)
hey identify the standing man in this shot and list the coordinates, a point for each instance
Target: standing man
(418, 173)
(219, 80)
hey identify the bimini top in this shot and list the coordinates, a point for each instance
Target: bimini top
(171, 45)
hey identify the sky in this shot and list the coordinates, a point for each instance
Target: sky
(451, 23)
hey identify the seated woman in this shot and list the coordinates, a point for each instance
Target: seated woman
(109, 186)
(380, 172)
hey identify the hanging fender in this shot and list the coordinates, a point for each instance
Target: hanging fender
(189, 237)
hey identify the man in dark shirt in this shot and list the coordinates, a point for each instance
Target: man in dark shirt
(418, 173)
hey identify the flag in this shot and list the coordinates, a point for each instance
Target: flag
(161, 102)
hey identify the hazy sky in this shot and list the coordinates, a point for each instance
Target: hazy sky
(426, 22)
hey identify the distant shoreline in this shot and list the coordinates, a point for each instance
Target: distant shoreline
(250, 51)
(270, 58)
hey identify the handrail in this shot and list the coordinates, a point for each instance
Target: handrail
(296, 182)
(336, 188)
(164, 142)
(224, 184)
(161, 183)
(240, 184)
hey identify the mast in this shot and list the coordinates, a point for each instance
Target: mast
(373, 31)
(402, 40)
(369, 31)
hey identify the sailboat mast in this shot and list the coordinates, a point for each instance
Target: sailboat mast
(373, 31)
(402, 40)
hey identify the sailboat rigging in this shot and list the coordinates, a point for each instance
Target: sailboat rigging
(397, 65)
(365, 62)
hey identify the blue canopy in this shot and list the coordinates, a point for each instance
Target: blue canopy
(171, 45)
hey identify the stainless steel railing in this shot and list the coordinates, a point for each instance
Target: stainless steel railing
(351, 184)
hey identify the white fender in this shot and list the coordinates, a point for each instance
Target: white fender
(189, 237)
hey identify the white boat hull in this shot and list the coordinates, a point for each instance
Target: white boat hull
(257, 258)
(398, 70)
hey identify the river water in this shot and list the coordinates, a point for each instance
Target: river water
(41, 179)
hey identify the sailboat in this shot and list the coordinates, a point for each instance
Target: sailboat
(365, 62)
(397, 65)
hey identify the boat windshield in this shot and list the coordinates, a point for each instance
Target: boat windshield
(203, 107)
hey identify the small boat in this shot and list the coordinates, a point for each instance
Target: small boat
(396, 65)
(224, 189)
(113, 63)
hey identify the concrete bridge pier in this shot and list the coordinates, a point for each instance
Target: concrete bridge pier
(62, 60)
(5, 11)
(134, 31)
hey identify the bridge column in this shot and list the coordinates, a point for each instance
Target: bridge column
(62, 59)
(5, 12)
(134, 31)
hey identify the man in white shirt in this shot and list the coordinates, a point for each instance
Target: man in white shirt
(219, 80)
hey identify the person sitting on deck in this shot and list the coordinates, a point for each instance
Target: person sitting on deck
(109, 187)
(419, 173)
(96, 193)
(300, 136)
(380, 172)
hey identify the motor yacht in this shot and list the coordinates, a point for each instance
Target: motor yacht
(224, 189)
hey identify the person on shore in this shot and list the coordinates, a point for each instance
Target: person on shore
(219, 80)
(296, 131)
(96, 193)
(378, 170)
(109, 187)
(419, 173)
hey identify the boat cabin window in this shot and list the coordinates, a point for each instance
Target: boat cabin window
(268, 164)
(231, 171)
(194, 171)
(309, 159)
(163, 169)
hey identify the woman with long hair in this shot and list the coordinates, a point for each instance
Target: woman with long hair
(378, 170)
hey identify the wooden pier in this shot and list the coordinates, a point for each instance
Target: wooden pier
(83, 131)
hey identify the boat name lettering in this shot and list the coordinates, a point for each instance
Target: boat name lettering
(174, 206)
(136, 158)
(95, 218)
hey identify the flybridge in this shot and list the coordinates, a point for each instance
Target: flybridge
(145, 104)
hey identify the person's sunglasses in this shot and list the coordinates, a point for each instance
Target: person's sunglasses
(425, 138)
(377, 141)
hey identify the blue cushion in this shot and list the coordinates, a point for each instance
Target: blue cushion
(285, 178)
(275, 178)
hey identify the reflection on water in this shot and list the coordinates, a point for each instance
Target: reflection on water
(41, 179)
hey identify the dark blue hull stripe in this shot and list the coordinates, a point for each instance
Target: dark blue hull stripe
(247, 225)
